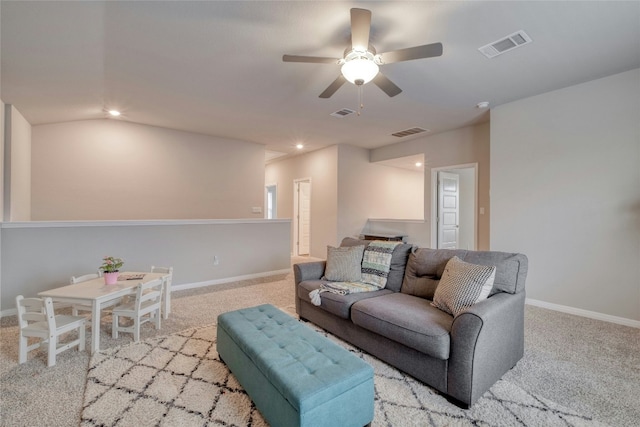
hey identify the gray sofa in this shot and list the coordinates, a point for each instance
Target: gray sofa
(461, 357)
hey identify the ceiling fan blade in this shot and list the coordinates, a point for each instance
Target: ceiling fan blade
(386, 85)
(360, 27)
(311, 59)
(333, 87)
(417, 52)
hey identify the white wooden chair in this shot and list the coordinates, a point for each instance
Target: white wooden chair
(37, 319)
(146, 307)
(166, 292)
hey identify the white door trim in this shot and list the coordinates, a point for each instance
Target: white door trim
(434, 201)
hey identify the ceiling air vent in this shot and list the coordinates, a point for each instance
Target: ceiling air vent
(512, 41)
(342, 113)
(408, 132)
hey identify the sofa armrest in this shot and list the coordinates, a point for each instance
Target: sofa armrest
(308, 271)
(487, 340)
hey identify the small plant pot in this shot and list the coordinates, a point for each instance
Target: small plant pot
(111, 278)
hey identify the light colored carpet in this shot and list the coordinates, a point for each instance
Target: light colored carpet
(587, 366)
(180, 380)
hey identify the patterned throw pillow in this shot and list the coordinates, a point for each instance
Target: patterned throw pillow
(344, 264)
(462, 285)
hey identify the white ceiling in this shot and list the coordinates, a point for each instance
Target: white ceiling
(216, 67)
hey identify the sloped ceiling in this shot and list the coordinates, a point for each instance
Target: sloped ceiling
(216, 67)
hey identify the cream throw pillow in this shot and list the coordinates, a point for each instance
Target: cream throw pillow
(463, 284)
(344, 264)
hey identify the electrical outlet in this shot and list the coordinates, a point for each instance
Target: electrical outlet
(216, 260)
(256, 209)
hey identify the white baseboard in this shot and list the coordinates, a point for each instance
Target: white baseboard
(585, 313)
(174, 288)
(228, 280)
(9, 312)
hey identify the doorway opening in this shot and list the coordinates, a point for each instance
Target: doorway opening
(454, 219)
(271, 202)
(302, 216)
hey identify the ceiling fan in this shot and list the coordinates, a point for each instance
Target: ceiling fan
(360, 62)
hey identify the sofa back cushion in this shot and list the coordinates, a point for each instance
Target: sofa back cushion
(399, 259)
(425, 267)
(511, 269)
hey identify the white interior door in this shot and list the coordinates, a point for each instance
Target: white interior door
(448, 210)
(302, 226)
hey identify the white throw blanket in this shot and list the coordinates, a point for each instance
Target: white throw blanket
(376, 264)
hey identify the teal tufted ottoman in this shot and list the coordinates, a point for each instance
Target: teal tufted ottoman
(295, 376)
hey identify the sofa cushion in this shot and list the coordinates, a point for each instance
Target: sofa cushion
(344, 264)
(462, 285)
(339, 305)
(408, 320)
(511, 269)
(425, 267)
(398, 261)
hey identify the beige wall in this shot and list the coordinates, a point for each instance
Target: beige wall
(457, 147)
(368, 190)
(346, 190)
(351, 190)
(17, 183)
(565, 191)
(112, 169)
(322, 167)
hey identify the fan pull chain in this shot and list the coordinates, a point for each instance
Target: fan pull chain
(360, 99)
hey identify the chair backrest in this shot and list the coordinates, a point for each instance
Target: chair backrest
(155, 269)
(149, 294)
(165, 270)
(84, 278)
(35, 310)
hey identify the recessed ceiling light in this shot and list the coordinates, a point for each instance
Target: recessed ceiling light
(483, 104)
(114, 113)
(299, 146)
(418, 164)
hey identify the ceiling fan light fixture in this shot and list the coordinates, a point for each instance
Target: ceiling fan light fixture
(360, 61)
(359, 67)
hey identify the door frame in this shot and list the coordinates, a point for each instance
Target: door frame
(295, 222)
(434, 201)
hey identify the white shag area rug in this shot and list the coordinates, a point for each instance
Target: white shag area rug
(178, 380)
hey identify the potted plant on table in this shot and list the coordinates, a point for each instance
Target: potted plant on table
(111, 267)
